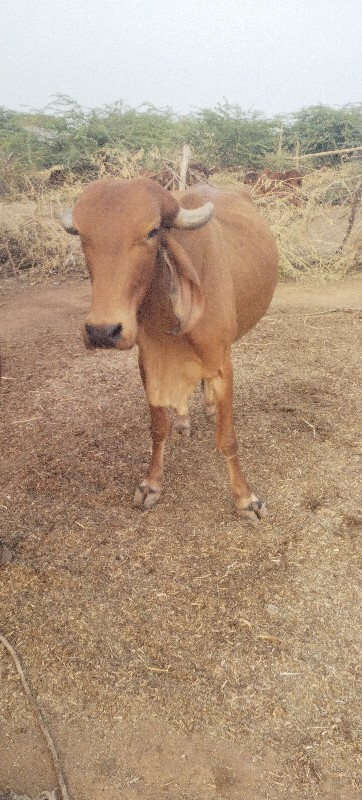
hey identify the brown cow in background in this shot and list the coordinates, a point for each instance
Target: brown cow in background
(250, 177)
(275, 183)
(182, 275)
(290, 177)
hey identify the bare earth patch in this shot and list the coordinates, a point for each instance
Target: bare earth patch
(180, 653)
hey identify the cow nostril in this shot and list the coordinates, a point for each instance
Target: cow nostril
(115, 331)
(104, 335)
(91, 331)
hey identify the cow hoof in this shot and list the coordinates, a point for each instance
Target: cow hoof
(255, 511)
(146, 496)
(210, 412)
(182, 425)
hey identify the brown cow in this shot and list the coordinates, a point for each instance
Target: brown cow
(275, 183)
(289, 177)
(182, 275)
(250, 176)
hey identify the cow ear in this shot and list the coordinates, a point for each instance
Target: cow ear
(169, 206)
(187, 298)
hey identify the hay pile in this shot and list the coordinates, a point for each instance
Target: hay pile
(321, 239)
(32, 242)
(318, 239)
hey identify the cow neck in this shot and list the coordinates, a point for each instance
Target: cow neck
(156, 309)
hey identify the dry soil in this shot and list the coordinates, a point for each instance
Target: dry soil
(181, 653)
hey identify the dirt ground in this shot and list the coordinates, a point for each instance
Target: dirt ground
(179, 652)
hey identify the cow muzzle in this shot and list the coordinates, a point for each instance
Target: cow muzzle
(105, 336)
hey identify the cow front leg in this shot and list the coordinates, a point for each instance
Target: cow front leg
(149, 491)
(247, 504)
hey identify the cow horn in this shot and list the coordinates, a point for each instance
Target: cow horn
(67, 221)
(191, 218)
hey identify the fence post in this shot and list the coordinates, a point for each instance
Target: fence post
(186, 157)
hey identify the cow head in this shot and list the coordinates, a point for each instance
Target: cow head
(124, 227)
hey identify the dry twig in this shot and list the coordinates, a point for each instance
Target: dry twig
(309, 424)
(356, 197)
(40, 718)
(10, 258)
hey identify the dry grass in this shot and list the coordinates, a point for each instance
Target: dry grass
(32, 242)
(33, 245)
(310, 236)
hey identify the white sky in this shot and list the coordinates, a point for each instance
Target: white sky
(274, 56)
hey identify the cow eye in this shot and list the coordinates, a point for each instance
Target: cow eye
(152, 233)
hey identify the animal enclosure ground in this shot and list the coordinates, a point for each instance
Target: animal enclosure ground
(181, 653)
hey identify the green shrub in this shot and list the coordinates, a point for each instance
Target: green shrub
(66, 135)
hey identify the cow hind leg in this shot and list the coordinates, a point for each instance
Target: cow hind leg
(247, 504)
(182, 424)
(148, 492)
(182, 421)
(209, 399)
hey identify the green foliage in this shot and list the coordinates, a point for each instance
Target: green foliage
(322, 128)
(228, 137)
(145, 128)
(16, 142)
(67, 135)
(116, 127)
